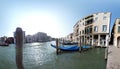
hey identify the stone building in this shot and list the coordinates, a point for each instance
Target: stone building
(115, 33)
(93, 29)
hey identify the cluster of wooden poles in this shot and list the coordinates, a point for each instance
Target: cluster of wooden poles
(58, 50)
(80, 48)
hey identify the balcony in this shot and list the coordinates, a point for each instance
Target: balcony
(88, 22)
(88, 30)
(91, 16)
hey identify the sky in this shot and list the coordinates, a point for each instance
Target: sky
(54, 17)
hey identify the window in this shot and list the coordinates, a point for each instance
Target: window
(77, 25)
(90, 30)
(104, 28)
(95, 28)
(119, 22)
(104, 18)
(83, 23)
(82, 31)
(105, 12)
(96, 18)
(96, 13)
(118, 29)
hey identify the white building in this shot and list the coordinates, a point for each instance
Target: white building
(2, 40)
(38, 37)
(69, 37)
(115, 34)
(29, 39)
(93, 29)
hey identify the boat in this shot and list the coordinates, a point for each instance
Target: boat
(71, 47)
(70, 43)
(4, 44)
(67, 47)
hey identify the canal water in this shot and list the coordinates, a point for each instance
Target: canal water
(43, 56)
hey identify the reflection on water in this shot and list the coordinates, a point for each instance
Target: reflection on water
(7, 57)
(38, 55)
(43, 56)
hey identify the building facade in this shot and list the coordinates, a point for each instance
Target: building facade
(69, 37)
(93, 29)
(38, 37)
(115, 34)
(28, 39)
(9, 40)
(3, 39)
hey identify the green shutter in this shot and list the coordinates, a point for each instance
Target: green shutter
(118, 29)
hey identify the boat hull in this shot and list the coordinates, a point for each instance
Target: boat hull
(67, 48)
(70, 47)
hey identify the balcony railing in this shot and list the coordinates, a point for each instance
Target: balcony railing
(88, 30)
(88, 22)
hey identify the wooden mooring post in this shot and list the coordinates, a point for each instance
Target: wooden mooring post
(19, 48)
(57, 48)
(106, 53)
(79, 44)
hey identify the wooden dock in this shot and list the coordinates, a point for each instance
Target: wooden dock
(113, 58)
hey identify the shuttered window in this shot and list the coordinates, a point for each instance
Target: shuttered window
(118, 29)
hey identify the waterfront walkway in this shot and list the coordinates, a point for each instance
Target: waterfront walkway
(113, 60)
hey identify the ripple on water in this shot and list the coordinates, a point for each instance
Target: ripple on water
(43, 56)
